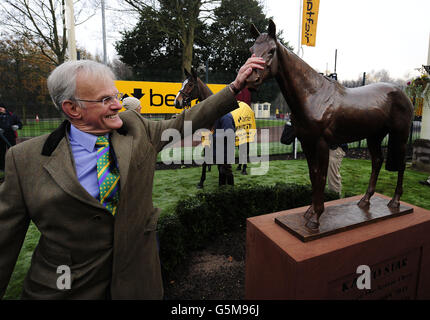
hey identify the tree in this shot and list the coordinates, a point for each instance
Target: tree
(229, 40)
(150, 52)
(175, 20)
(23, 73)
(43, 23)
(373, 77)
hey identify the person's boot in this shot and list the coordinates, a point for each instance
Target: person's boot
(239, 167)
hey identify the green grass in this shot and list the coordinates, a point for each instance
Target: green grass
(35, 129)
(265, 123)
(172, 185)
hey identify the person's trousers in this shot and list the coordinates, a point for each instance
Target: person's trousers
(334, 180)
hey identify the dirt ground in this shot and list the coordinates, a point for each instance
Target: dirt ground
(215, 273)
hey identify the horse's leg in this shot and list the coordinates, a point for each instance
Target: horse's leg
(206, 149)
(222, 179)
(374, 145)
(318, 164)
(244, 169)
(310, 210)
(203, 176)
(395, 201)
(247, 160)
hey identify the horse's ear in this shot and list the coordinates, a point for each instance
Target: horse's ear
(254, 32)
(187, 73)
(272, 29)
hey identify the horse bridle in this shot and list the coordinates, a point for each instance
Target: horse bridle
(186, 97)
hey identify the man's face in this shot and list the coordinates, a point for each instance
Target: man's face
(2, 110)
(97, 118)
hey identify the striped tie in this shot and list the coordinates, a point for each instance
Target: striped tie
(107, 175)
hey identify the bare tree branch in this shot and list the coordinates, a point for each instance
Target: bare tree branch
(44, 20)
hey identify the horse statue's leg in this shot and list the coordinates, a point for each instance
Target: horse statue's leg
(317, 157)
(374, 145)
(395, 201)
(401, 152)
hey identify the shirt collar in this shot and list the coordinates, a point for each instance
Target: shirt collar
(86, 140)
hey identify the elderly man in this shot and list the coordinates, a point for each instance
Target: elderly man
(87, 187)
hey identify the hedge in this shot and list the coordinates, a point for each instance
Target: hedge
(199, 219)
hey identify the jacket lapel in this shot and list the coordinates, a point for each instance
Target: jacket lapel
(122, 146)
(61, 168)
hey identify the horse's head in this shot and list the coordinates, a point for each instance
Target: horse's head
(189, 90)
(265, 46)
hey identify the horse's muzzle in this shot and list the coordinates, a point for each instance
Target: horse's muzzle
(178, 104)
(254, 80)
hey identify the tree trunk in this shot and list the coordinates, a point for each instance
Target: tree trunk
(187, 50)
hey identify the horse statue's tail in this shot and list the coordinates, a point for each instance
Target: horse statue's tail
(395, 153)
(399, 132)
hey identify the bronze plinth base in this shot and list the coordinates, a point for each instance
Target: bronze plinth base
(341, 217)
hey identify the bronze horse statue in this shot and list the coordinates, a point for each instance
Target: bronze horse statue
(325, 113)
(194, 88)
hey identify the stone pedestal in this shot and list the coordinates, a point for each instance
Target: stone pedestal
(281, 266)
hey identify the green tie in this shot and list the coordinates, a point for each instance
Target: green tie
(107, 176)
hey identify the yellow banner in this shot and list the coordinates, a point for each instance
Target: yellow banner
(244, 121)
(419, 102)
(157, 97)
(309, 22)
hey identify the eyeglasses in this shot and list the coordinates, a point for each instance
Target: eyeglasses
(109, 100)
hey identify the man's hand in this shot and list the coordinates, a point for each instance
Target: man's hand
(245, 71)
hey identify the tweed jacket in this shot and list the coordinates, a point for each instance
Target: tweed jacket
(109, 256)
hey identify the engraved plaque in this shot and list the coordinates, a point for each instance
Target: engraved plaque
(392, 279)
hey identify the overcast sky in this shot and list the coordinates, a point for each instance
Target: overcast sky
(368, 34)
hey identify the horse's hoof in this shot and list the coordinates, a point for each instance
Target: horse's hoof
(199, 186)
(363, 203)
(393, 204)
(313, 225)
(244, 173)
(309, 212)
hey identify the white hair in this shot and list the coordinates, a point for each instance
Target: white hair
(62, 80)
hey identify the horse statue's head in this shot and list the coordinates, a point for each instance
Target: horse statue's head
(265, 46)
(189, 90)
